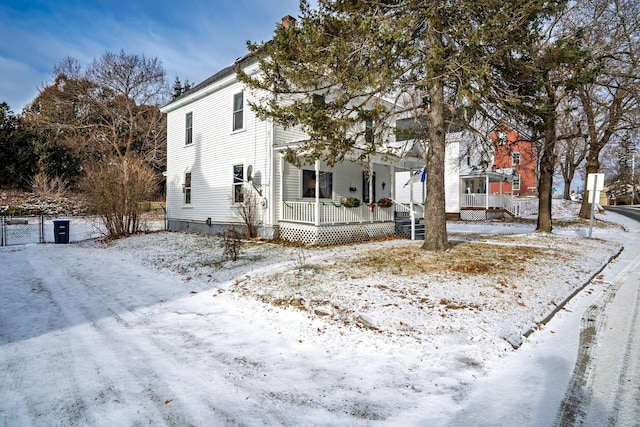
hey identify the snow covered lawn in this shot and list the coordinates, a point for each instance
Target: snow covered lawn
(159, 329)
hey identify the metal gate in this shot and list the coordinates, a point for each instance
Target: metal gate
(21, 230)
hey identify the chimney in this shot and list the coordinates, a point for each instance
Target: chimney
(288, 21)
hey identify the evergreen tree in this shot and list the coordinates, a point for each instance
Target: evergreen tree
(341, 64)
(17, 159)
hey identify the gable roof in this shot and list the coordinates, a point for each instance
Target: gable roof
(230, 70)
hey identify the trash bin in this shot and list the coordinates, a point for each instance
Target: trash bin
(61, 230)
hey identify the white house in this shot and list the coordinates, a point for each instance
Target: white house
(218, 151)
(219, 154)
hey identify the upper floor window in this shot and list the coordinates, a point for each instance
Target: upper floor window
(238, 182)
(309, 184)
(368, 131)
(515, 158)
(502, 137)
(238, 111)
(188, 129)
(186, 189)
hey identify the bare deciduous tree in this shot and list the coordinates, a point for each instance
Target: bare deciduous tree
(610, 103)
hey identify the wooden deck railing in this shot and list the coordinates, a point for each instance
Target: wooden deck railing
(491, 201)
(333, 213)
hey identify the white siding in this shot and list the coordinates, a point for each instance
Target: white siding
(215, 149)
(452, 177)
(346, 175)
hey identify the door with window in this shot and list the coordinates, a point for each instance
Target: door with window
(365, 187)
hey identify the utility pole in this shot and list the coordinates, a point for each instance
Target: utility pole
(633, 178)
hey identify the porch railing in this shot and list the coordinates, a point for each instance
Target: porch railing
(330, 213)
(491, 201)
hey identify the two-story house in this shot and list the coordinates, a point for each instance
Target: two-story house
(219, 154)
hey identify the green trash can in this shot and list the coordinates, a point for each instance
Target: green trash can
(61, 230)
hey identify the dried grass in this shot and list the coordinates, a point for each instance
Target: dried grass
(467, 258)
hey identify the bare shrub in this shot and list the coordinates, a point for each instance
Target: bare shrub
(231, 244)
(115, 190)
(247, 211)
(44, 186)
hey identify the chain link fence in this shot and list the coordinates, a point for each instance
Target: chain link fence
(27, 229)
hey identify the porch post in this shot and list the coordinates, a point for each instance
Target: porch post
(370, 190)
(392, 182)
(486, 196)
(317, 207)
(412, 214)
(281, 186)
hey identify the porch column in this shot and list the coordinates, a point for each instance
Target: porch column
(281, 187)
(392, 182)
(371, 190)
(486, 191)
(317, 207)
(412, 214)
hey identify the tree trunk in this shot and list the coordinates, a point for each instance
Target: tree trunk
(593, 166)
(567, 188)
(545, 185)
(435, 220)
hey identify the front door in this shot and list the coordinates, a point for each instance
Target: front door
(365, 187)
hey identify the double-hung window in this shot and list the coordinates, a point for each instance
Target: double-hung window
(188, 129)
(502, 137)
(368, 131)
(238, 182)
(515, 159)
(309, 184)
(516, 182)
(187, 188)
(238, 111)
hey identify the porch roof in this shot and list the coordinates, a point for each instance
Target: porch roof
(493, 176)
(407, 162)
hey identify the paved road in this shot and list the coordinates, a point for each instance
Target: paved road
(604, 388)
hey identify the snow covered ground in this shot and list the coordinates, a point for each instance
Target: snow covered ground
(159, 329)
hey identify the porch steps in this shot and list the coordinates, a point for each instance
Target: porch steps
(403, 228)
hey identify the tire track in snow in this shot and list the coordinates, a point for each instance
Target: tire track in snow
(575, 405)
(142, 365)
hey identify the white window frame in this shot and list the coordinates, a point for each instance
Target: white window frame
(517, 182)
(368, 131)
(237, 113)
(502, 136)
(516, 158)
(186, 188)
(188, 128)
(237, 184)
(310, 192)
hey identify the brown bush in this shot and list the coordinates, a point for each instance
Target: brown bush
(115, 189)
(44, 186)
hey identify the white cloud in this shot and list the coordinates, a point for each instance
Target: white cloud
(19, 84)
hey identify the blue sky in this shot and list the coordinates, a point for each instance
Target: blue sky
(192, 38)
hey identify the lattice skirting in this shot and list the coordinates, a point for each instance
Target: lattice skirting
(335, 234)
(473, 214)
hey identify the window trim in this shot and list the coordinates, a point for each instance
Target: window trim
(187, 188)
(517, 183)
(365, 187)
(368, 131)
(514, 155)
(237, 113)
(308, 195)
(188, 128)
(237, 183)
(502, 137)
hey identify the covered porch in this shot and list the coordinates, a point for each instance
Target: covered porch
(479, 202)
(349, 202)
